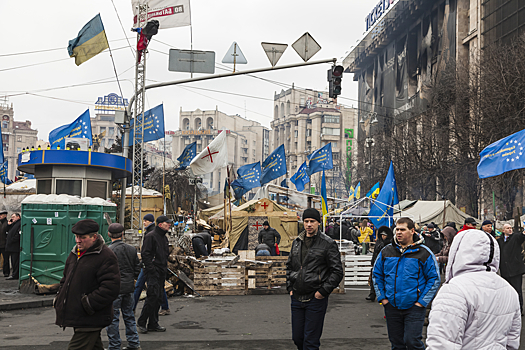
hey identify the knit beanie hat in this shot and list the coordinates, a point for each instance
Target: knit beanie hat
(312, 213)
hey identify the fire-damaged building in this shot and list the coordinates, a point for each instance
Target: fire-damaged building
(407, 46)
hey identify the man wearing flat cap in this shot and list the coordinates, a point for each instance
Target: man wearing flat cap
(470, 223)
(155, 253)
(313, 270)
(90, 284)
(129, 265)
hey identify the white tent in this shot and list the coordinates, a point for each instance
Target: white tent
(432, 211)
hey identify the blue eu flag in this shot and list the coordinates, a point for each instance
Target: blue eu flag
(238, 188)
(274, 166)
(284, 184)
(321, 159)
(190, 151)
(383, 207)
(250, 175)
(80, 128)
(502, 156)
(3, 163)
(153, 125)
(300, 178)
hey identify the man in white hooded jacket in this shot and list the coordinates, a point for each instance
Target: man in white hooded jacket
(475, 308)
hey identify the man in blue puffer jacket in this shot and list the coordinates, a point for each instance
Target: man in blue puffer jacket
(406, 279)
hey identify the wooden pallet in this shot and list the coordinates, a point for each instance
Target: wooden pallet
(266, 272)
(357, 270)
(213, 279)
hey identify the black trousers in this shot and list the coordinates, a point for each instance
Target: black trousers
(15, 260)
(149, 317)
(516, 283)
(199, 247)
(5, 268)
(86, 339)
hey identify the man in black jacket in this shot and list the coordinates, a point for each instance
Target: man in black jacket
(155, 253)
(12, 245)
(432, 239)
(201, 243)
(129, 265)
(313, 270)
(270, 237)
(3, 238)
(90, 284)
(511, 264)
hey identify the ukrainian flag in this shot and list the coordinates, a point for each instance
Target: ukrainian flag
(357, 192)
(351, 193)
(91, 41)
(324, 203)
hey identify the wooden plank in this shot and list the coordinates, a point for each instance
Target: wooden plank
(222, 292)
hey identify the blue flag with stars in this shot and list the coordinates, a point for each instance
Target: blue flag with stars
(300, 178)
(80, 128)
(502, 156)
(238, 188)
(383, 207)
(274, 166)
(320, 159)
(284, 184)
(153, 125)
(250, 175)
(187, 155)
(3, 162)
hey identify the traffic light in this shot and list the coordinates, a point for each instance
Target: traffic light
(335, 77)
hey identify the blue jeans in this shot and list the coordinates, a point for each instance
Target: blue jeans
(124, 303)
(307, 322)
(139, 286)
(263, 253)
(405, 327)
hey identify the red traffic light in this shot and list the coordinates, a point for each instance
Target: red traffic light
(337, 71)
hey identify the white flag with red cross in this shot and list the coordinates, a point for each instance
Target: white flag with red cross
(215, 156)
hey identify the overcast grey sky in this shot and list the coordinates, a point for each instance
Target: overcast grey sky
(47, 26)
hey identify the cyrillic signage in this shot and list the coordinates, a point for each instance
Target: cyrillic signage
(377, 12)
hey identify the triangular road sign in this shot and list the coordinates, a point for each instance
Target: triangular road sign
(274, 51)
(306, 46)
(234, 55)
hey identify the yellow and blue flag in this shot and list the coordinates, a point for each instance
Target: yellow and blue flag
(238, 188)
(274, 166)
(374, 191)
(80, 128)
(320, 159)
(91, 41)
(3, 163)
(300, 178)
(324, 202)
(502, 156)
(357, 192)
(382, 209)
(190, 151)
(351, 193)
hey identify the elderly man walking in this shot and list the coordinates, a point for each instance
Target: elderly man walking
(313, 270)
(90, 284)
(129, 264)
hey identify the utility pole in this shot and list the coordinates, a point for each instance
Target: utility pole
(138, 126)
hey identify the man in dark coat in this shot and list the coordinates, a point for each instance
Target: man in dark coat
(155, 251)
(384, 238)
(432, 238)
(511, 264)
(90, 284)
(313, 270)
(270, 237)
(129, 265)
(201, 243)
(12, 244)
(3, 239)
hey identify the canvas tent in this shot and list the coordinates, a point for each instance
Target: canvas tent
(432, 211)
(247, 221)
(206, 214)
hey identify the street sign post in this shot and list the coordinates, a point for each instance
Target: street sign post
(306, 46)
(274, 51)
(191, 61)
(234, 56)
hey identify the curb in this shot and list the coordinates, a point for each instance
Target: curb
(26, 304)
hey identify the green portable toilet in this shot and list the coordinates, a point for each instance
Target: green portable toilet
(51, 218)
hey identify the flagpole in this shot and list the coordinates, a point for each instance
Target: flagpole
(164, 173)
